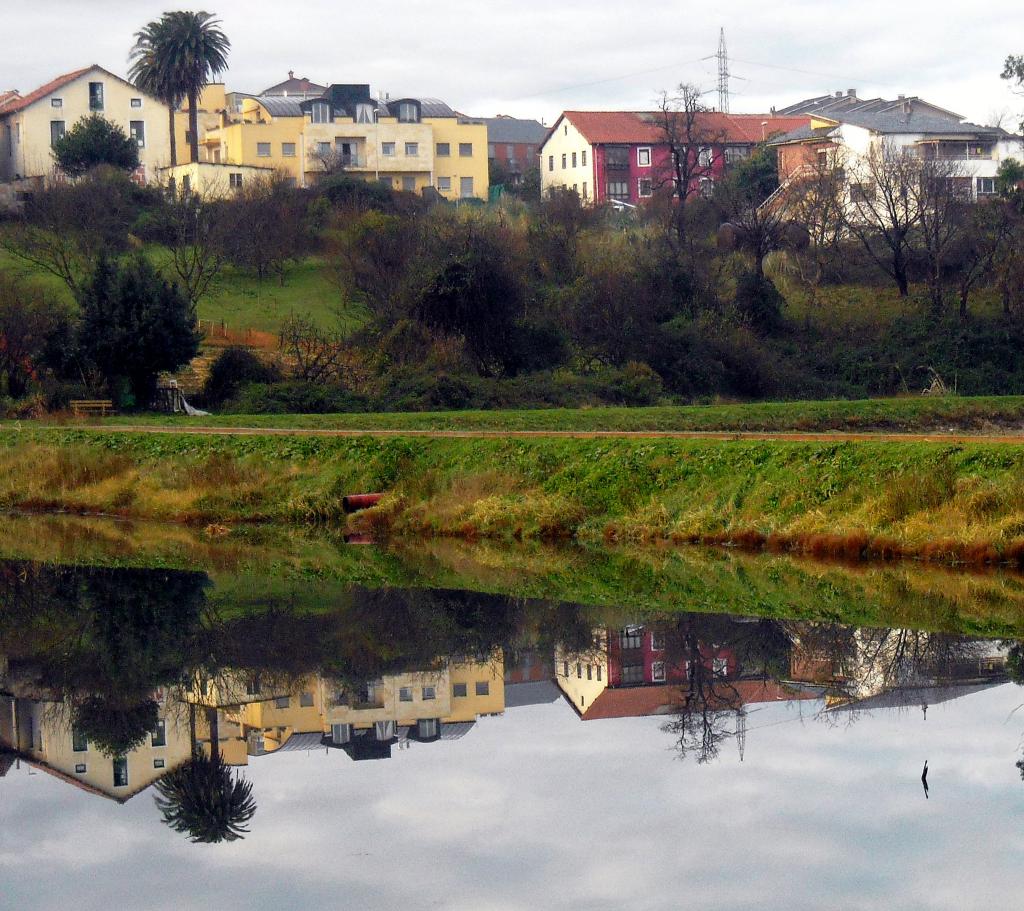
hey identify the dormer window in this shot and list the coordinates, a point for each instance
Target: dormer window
(364, 113)
(56, 102)
(408, 112)
(321, 112)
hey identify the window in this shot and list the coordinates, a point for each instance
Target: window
(79, 742)
(427, 728)
(490, 150)
(707, 187)
(574, 159)
(658, 671)
(584, 189)
(986, 186)
(341, 733)
(583, 158)
(705, 155)
(282, 702)
(95, 96)
(458, 690)
(565, 158)
(80, 768)
(466, 149)
(616, 158)
(429, 693)
(288, 149)
(405, 694)
(720, 667)
(235, 181)
(387, 149)
(632, 674)
(631, 637)
(186, 190)
(644, 187)
(599, 672)
(409, 184)
(483, 688)
(158, 763)
(465, 187)
(444, 184)
(159, 736)
(136, 102)
(861, 192)
(137, 130)
(658, 642)
(551, 162)
(263, 149)
(320, 112)
(444, 149)
(579, 671)
(120, 769)
(408, 112)
(306, 700)
(643, 157)
(56, 102)
(364, 113)
(384, 730)
(734, 154)
(56, 131)
(412, 148)
(590, 672)
(323, 149)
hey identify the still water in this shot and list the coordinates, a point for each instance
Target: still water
(442, 748)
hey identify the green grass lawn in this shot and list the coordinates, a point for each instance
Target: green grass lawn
(239, 299)
(989, 413)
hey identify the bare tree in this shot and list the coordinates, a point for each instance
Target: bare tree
(990, 246)
(196, 243)
(883, 211)
(681, 119)
(315, 355)
(817, 202)
(941, 196)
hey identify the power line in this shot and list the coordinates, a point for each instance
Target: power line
(583, 85)
(793, 69)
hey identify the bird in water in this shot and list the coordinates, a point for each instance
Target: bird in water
(924, 779)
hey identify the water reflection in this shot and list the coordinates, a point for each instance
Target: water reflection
(115, 681)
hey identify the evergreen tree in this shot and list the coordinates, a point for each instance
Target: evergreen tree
(94, 141)
(134, 325)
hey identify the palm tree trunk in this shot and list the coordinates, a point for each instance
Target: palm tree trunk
(174, 138)
(214, 722)
(193, 124)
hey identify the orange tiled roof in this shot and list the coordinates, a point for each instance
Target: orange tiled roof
(21, 102)
(600, 127)
(631, 702)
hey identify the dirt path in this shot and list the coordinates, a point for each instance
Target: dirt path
(780, 436)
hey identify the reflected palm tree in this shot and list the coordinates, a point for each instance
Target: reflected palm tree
(203, 798)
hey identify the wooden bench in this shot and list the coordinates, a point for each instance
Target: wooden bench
(92, 407)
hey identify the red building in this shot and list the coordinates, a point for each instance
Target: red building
(513, 143)
(625, 156)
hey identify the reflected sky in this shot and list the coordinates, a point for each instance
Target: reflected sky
(536, 809)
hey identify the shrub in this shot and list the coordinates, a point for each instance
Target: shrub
(234, 368)
(293, 398)
(758, 302)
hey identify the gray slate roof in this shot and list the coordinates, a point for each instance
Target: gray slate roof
(280, 106)
(514, 130)
(916, 696)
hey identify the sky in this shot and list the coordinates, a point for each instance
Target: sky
(536, 809)
(535, 58)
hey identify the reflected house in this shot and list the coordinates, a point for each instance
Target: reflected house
(634, 671)
(425, 706)
(884, 668)
(41, 733)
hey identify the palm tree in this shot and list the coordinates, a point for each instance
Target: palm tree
(202, 797)
(184, 50)
(150, 73)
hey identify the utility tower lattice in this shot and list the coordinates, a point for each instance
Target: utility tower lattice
(723, 73)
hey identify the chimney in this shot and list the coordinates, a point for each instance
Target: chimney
(291, 74)
(764, 130)
(851, 93)
(900, 97)
(839, 94)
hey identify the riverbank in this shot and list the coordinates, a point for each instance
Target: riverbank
(945, 503)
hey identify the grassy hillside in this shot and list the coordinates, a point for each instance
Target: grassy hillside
(948, 503)
(913, 413)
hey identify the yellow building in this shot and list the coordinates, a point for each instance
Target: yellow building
(41, 733)
(211, 181)
(409, 143)
(213, 102)
(30, 124)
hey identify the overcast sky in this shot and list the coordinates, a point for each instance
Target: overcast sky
(539, 810)
(535, 58)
